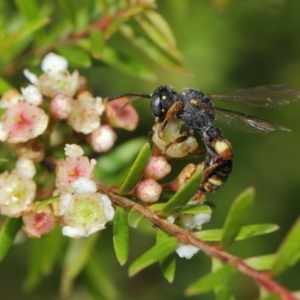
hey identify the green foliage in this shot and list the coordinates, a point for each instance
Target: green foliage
(288, 250)
(8, 233)
(183, 195)
(40, 264)
(76, 257)
(136, 170)
(158, 252)
(237, 216)
(221, 276)
(121, 235)
(245, 232)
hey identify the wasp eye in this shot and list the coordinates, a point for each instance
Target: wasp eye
(156, 105)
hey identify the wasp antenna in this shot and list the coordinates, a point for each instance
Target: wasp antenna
(133, 96)
(128, 95)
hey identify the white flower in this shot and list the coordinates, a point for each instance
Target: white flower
(73, 150)
(32, 95)
(65, 200)
(84, 214)
(191, 222)
(16, 193)
(53, 63)
(25, 167)
(100, 107)
(3, 133)
(186, 251)
(84, 185)
(31, 77)
(10, 98)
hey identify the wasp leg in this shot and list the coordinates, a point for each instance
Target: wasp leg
(174, 110)
(178, 140)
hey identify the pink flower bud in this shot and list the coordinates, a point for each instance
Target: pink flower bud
(60, 106)
(102, 139)
(148, 190)
(157, 168)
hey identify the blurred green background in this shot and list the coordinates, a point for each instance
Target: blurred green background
(226, 45)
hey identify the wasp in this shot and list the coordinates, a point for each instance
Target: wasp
(197, 112)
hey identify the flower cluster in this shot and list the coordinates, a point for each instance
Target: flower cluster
(36, 120)
(82, 210)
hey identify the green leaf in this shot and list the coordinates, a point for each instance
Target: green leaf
(246, 232)
(52, 244)
(16, 38)
(161, 24)
(288, 249)
(126, 65)
(136, 170)
(168, 264)
(183, 196)
(8, 232)
(43, 254)
(260, 263)
(76, 257)
(97, 279)
(121, 235)
(168, 267)
(190, 209)
(97, 43)
(76, 56)
(152, 51)
(68, 8)
(155, 254)
(210, 281)
(113, 27)
(237, 216)
(46, 202)
(134, 218)
(28, 8)
(158, 37)
(222, 291)
(34, 274)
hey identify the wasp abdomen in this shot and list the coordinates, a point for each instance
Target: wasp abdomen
(218, 165)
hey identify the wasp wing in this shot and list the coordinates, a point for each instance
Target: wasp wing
(242, 121)
(267, 96)
(246, 122)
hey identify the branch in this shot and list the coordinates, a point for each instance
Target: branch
(185, 237)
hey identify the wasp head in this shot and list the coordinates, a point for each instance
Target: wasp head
(161, 100)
